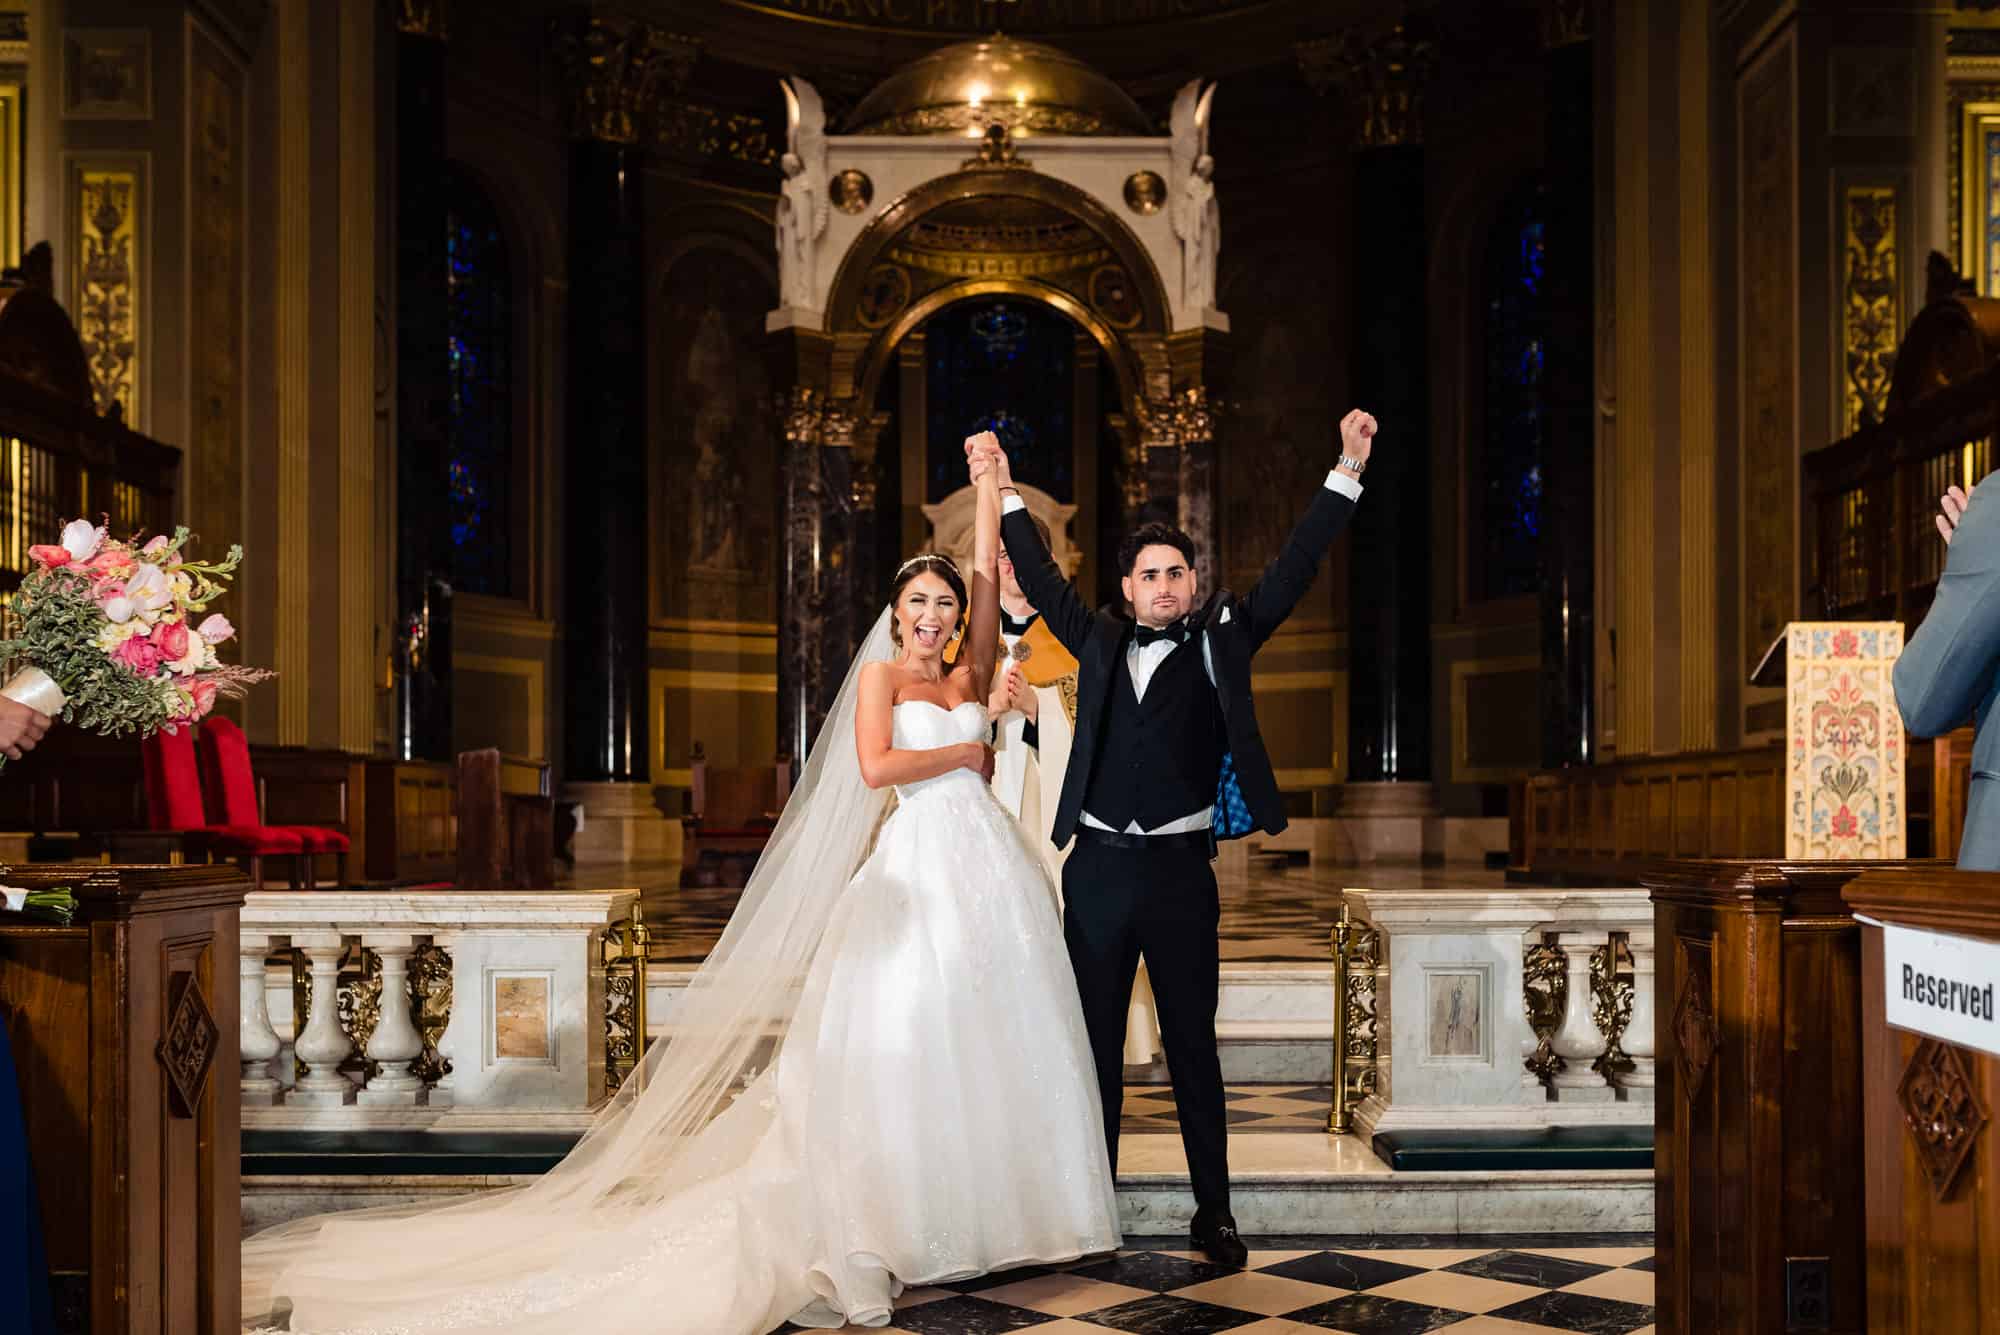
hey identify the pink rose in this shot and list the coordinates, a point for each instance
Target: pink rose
(215, 628)
(140, 654)
(109, 561)
(172, 639)
(50, 556)
(204, 692)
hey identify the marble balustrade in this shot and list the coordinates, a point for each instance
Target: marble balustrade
(1510, 1007)
(365, 1008)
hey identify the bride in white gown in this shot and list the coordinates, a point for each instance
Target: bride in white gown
(928, 1112)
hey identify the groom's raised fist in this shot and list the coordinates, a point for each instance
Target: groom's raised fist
(1357, 436)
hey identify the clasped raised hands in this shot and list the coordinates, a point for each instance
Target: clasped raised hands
(983, 455)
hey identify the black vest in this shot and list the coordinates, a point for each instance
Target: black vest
(1158, 758)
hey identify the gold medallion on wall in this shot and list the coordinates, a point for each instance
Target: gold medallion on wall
(1145, 192)
(884, 293)
(1113, 295)
(851, 191)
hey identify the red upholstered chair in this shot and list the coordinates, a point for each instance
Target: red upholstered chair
(231, 787)
(174, 802)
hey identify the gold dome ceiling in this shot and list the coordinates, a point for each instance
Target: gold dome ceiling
(1026, 86)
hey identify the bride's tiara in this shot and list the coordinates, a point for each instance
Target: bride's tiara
(921, 557)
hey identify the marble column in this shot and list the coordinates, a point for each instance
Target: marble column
(322, 1045)
(423, 727)
(1389, 678)
(259, 1041)
(395, 1042)
(613, 66)
(1568, 449)
(831, 592)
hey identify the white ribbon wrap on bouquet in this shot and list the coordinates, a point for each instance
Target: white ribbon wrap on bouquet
(36, 689)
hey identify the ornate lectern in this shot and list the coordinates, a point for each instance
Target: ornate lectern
(124, 1029)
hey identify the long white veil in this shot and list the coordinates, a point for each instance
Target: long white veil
(413, 1267)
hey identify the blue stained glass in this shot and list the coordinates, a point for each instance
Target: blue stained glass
(1006, 366)
(1506, 557)
(480, 412)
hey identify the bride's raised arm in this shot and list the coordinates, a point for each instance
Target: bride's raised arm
(982, 631)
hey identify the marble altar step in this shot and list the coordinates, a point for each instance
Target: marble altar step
(1274, 1022)
(1284, 1183)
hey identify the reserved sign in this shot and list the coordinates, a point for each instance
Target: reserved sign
(1942, 986)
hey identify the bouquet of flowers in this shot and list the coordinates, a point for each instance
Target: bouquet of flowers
(57, 906)
(106, 634)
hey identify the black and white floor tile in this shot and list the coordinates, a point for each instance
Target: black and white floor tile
(1251, 1108)
(1302, 1286)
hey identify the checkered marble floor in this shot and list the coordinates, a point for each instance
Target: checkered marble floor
(1293, 1286)
(1250, 1108)
(1275, 914)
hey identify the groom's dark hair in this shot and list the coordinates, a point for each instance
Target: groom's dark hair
(1153, 535)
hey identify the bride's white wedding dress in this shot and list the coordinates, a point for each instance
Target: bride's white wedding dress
(932, 1114)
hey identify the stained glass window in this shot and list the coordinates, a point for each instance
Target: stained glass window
(1007, 366)
(479, 322)
(1515, 337)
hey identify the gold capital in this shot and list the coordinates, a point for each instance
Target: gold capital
(1385, 77)
(422, 18)
(1565, 22)
(614, 65)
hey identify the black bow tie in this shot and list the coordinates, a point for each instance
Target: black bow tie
(1175, 631)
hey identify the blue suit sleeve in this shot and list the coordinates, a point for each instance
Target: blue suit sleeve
(1948, 664)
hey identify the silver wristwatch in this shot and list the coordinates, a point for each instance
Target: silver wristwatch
(1356, 466)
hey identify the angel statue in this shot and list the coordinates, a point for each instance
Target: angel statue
(802, 203)
(1196, 218)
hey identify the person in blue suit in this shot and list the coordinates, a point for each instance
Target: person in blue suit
(1947, 673)
(24, 1268)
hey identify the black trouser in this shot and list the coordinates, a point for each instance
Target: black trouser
(1123, 903)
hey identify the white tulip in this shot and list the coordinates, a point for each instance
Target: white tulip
(81, 539)
(118, 610)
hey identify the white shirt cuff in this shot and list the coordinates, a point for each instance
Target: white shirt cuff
(1347, 486)
(1011, 502)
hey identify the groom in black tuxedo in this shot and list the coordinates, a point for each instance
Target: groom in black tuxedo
(1167, 758)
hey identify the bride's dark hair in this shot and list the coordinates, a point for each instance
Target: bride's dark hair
(927, 563)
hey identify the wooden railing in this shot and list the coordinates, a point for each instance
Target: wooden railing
(1596, 821)
(59, 459)
(1870, 497)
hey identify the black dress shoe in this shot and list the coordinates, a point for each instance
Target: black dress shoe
(1217, 1237)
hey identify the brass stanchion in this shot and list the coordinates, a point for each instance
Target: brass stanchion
(637, 943)
(1339, 1121)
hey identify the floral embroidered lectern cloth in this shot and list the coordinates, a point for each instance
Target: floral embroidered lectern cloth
(1845, 754)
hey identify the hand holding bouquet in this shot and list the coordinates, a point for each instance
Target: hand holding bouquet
(107, 634)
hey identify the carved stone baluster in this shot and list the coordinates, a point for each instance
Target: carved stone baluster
(1638, 1040)
(395, 1044)
(322, 1045)
(1578, 1040)
(259, 1041)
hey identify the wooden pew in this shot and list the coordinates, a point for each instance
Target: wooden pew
(506, 823)
(1932, 1172)
(124, 1029)
(731, 813)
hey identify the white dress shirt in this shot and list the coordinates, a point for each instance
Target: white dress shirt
(1142, 661)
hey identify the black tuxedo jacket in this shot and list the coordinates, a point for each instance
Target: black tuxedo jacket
(1236, 628)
